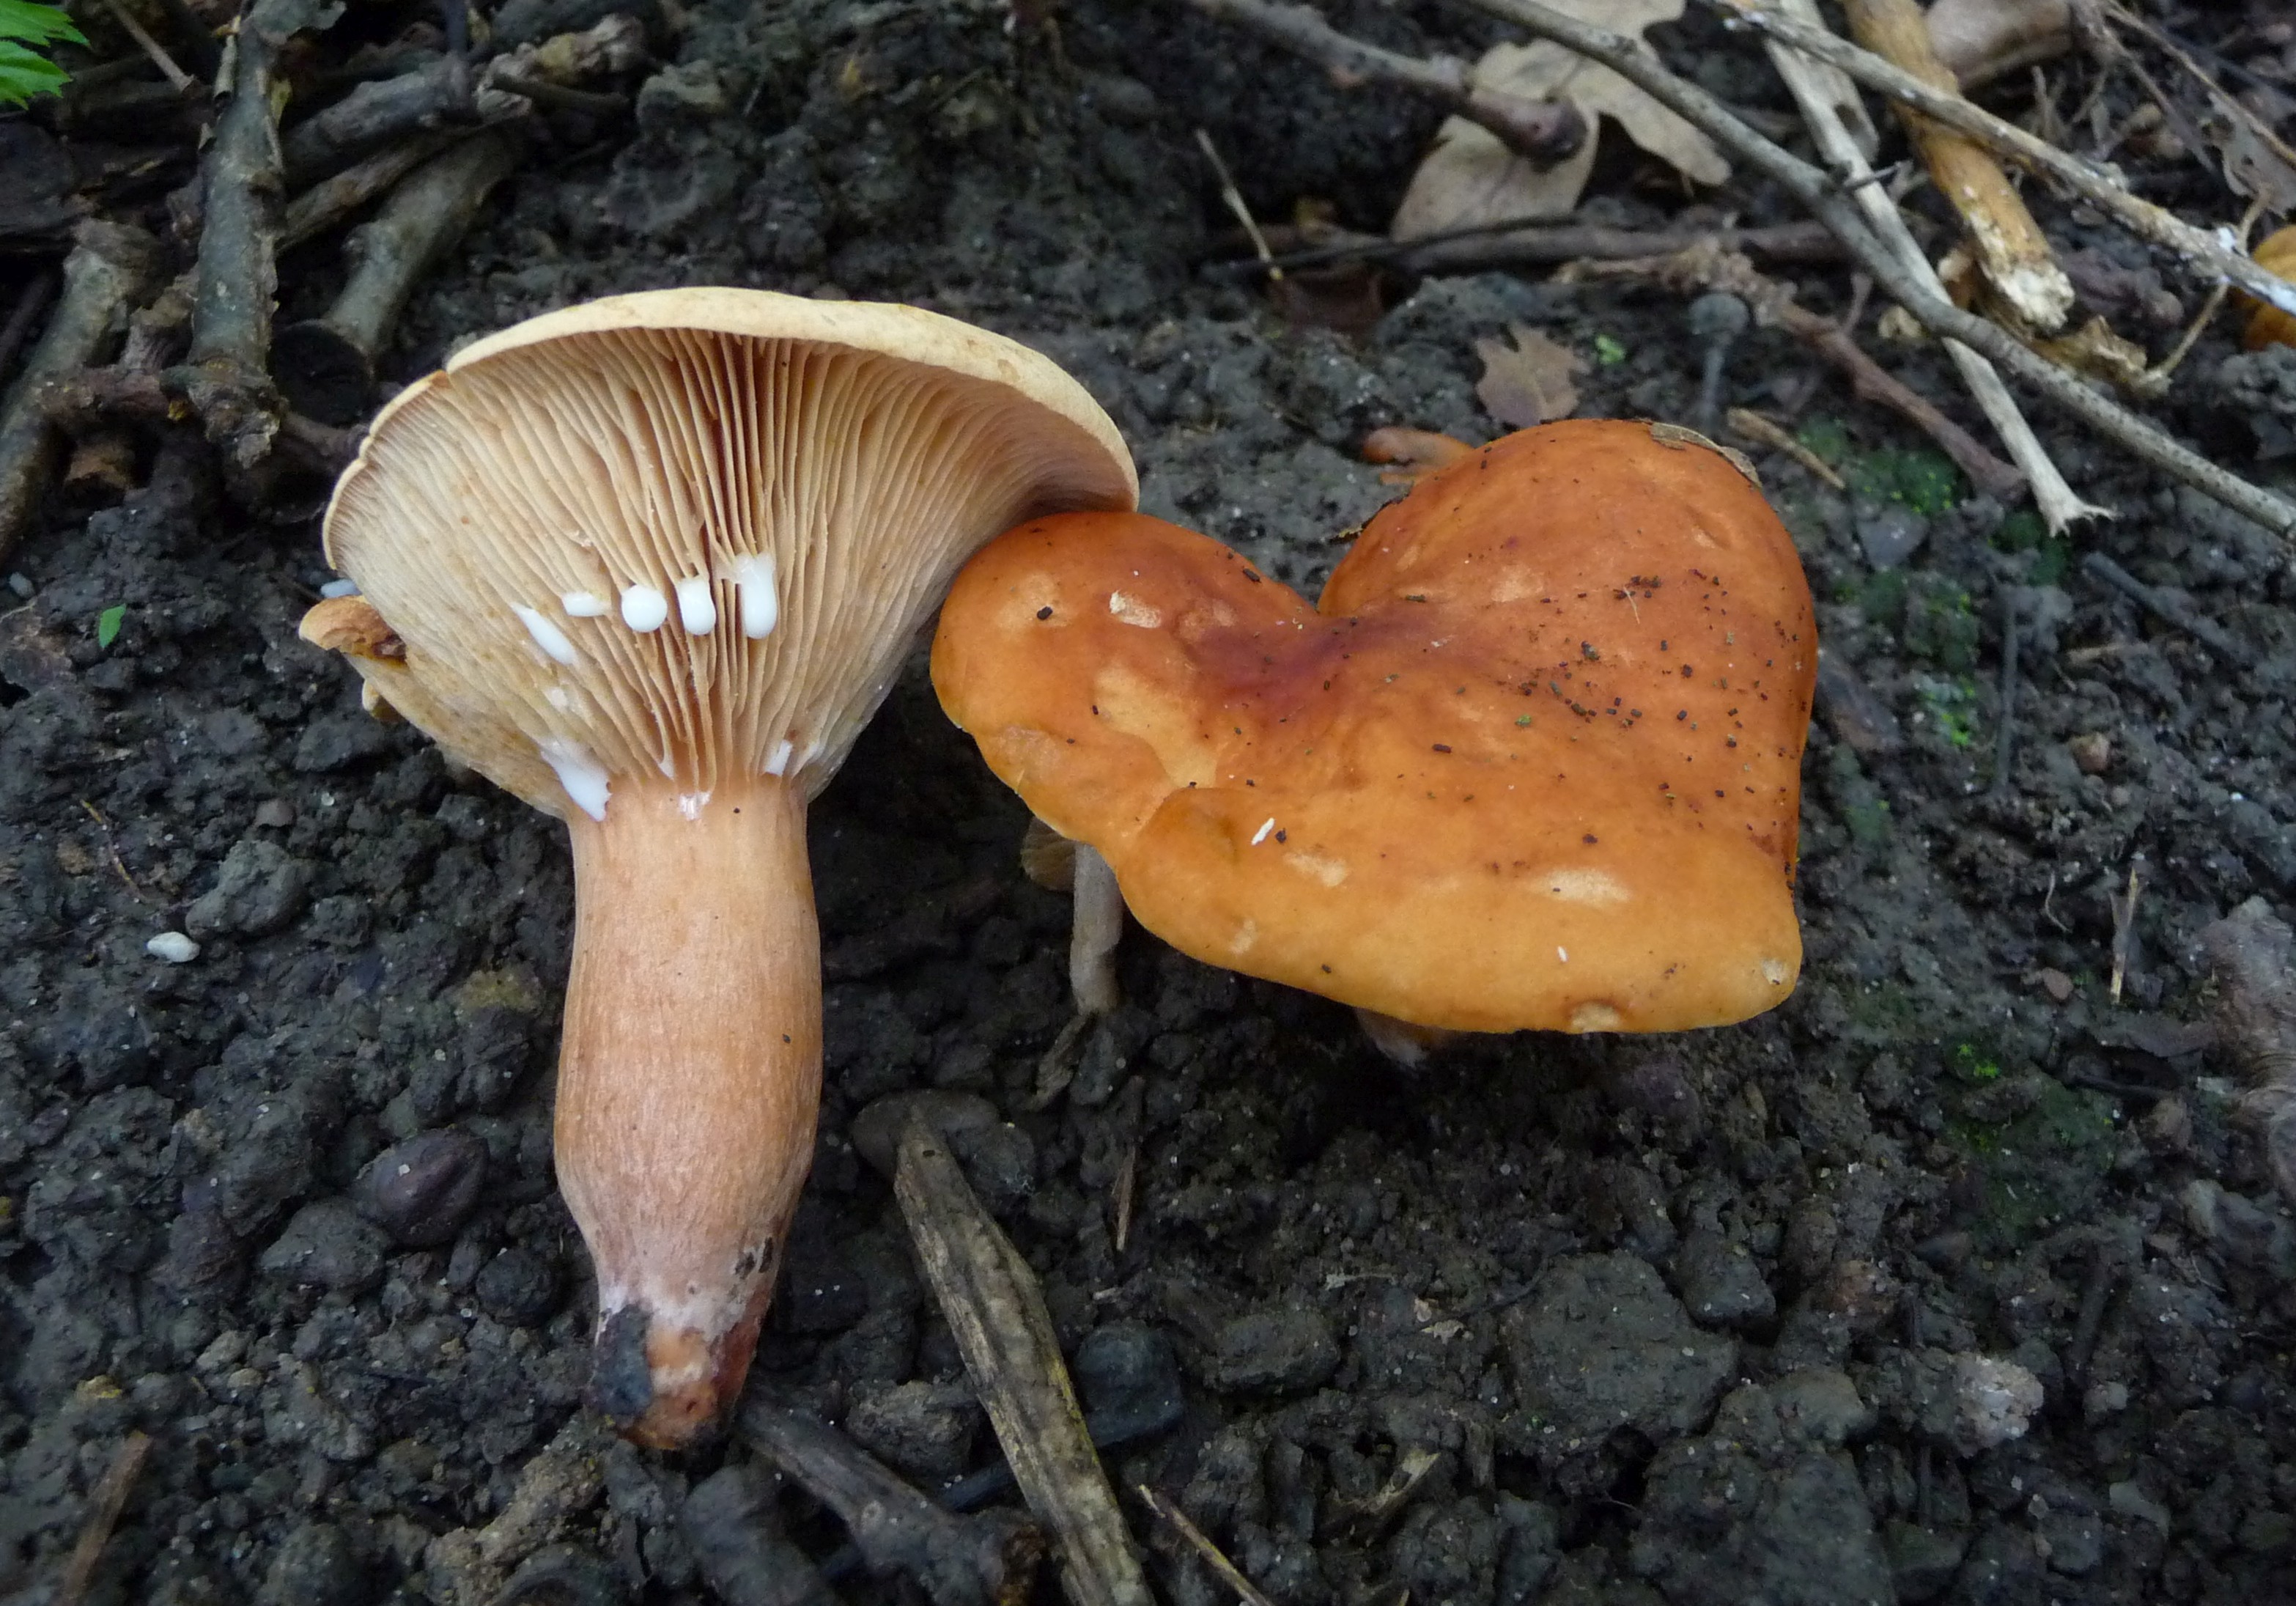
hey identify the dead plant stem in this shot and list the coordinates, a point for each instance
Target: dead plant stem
(1940, 317)
(2202, 250)
(2052, 498)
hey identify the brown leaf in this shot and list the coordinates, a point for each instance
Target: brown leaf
(1470, 178)
(1530, 382)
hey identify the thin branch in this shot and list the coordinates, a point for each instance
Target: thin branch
(1763, 431)
(1542, 130)
(105, 1502)
(2010, 250)
(1940, 317)
(1520, 242)
(2053, 498)
(177, 79)
(1228, 1573)
(2231, 106)
(1233, 199)
(2202, 250)
(1703, 269)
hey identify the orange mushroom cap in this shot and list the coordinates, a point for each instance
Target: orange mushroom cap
(1533, 762)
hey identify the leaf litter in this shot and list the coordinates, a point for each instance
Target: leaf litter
(1470, 179)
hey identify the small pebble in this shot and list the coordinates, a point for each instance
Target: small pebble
(420, 1190)
(274, 813)
(518, 1287)
(1280, 1349)
(339, 587)
(926, 1429)
(1996, 1400)
(174, 947)
(2057, 984)
(21, 585)
(316, 1565)
(326, 1245)
(2092, 752)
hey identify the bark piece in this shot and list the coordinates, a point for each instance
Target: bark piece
(326, 365)
(998, 1315)
(988, 1559)
(2011, 250)
(1837, 143)
(226, 380)
(111, 267)
(442, 92)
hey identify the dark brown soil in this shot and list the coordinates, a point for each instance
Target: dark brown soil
(1702, 1318)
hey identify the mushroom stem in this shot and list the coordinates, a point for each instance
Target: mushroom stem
(689, 1078)
(1098, 929)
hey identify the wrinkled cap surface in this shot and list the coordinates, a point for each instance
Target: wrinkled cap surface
(686, 535)
(1534, 761)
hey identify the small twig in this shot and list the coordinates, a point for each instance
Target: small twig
(112, 850)
(110, 267)
(544, 93)
(2202, 250)
(227, 377)
(2124, 924)
(988, 1559)
(1233, 198)
(336, 197)
(195, 39)
(1756, 428)
(1938, 315)
(1521, 242)
(2166, 606)
(2010, 249)
(1111, 1429)
(1367, 1518)
(1774, 304)
(1810, 82)
(180, 81)
(31, 301)
(105, 1502)
(996, 1314)
(441, 92)
(1542, 130)
(1718, 318)
(2005, 735)
(2159, 372)
(2096, 1288)
(1249, 1592)
(1126, 1176)
(326, 365)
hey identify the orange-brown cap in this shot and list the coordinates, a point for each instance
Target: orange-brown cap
(1534, 761)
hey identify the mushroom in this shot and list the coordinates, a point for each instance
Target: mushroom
(1532, 761)
(650, 564)
(1096, 922)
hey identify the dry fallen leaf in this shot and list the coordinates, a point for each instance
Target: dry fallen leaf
(1470, 178)
(1528, 382)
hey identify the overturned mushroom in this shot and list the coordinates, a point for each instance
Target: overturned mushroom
(1533, 762)
(650, 564)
